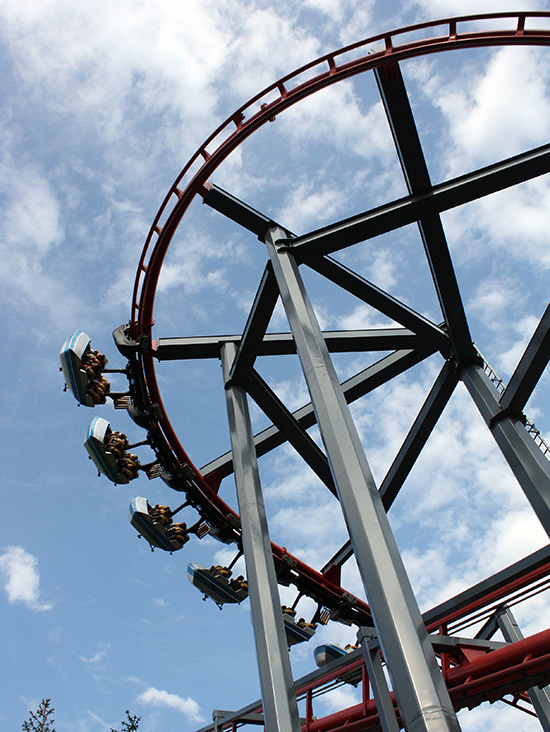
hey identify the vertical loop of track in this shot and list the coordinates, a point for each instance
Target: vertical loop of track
(348, 61)
(518, 28)
(379, 50)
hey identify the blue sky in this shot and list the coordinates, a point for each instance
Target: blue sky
(101, 106)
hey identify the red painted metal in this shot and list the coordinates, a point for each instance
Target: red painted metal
(511, 669)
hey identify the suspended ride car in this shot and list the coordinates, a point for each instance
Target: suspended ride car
(82, 368)
(297, 631)
(108, 450)
(329, 652)
(326, 653)
(156, 526)
(217, 584)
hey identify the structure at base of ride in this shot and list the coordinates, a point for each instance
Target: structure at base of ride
(415, 670)
(475, 669)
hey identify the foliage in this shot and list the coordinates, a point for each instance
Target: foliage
(130, 724)
(42, 721)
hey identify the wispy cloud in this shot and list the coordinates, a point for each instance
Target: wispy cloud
(21, 578)
(99, 656)
(161, 698)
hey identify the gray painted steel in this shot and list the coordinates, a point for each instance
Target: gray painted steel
(529, 465)
(534, 561)
(256, 326)
(384, 704)
(380, 300)
(423, 699)
(355, 387)
(540, 698)
(305, 445)
(282, 344)
(278, 695)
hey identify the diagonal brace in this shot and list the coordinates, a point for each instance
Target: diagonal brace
(529, 369)
(294, 433)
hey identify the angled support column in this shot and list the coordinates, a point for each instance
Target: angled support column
(540, 698)
(529, 369)
(419, 433)
(296, 435)
(384, 703)
(256, 326)
(382, 301)
(422, 697)
(355, 387)
(529, 465)
(278, 696)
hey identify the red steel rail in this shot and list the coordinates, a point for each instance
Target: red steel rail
(512, 669)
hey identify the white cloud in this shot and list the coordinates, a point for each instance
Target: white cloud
(449, 8)
(307, 206)
(160, 602)
(99, 656)
(332, 8)
(21, 576)
(495, 718)
(362, 316)
(267, 45)
(338, 699)
(30, 230)
(494, 109)
(159, 698)
(496, 117)
(111, 52)
(338, 117)
(31, 212)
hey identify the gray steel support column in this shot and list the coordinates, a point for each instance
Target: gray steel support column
(281, 417)
(540, 698)
(529, 465)
(384, 704)
(355, 387)
(278, 696)
(423, 699)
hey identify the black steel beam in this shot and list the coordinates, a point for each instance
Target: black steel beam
(256, 326)
(529, 369)
(282, 344)
(240, 212)
(258, 223)
(380, 300)
(290, 428)
(408, 210)
(529, 465)
(409, 149)
(409, 452)
(418, 435)
(357, 386)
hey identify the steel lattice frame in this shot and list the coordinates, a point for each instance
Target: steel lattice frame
(418, 338)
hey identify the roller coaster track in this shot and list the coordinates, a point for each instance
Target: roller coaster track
(136, 340)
